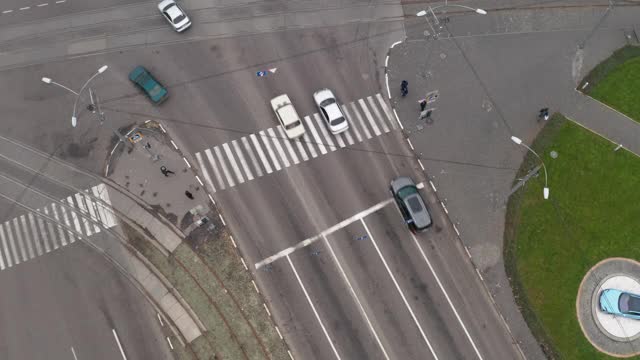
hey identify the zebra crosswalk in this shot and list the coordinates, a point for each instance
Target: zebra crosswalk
(256, 155)
(32, 235)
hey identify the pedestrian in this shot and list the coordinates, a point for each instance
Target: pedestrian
(423, 104)
(404, 88)
(189, 194)
(544, 114)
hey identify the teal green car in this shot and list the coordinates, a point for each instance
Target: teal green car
(145, 81)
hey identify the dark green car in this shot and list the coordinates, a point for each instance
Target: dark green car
(154, 90)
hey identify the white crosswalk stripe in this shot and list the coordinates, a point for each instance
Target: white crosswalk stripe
(372, 122)
(223, 165)
(205, 172)
(243, 161)
(276, 142)
(53, 226)
(232, 161)
(287, 144)
(385, 128)
(263, 157)
(360, 122)
(5, 247)
(266, 142)
(216, 171)
(253, 156)
(35, 234)
(352, 123)
(316, 138)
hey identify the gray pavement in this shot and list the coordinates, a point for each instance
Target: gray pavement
(493, 74)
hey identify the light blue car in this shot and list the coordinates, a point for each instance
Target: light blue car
(620, 303)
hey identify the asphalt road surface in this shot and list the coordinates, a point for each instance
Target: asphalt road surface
(388, 295)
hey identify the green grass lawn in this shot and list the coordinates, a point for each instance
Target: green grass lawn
(592, 213)
(620, 88)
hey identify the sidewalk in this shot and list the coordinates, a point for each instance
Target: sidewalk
(139, 194)
(603, 120)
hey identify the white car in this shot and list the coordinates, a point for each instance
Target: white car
(331, 111)
(174, 15)
(288, 116)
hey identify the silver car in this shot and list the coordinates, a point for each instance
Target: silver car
(174, 15)
(331, 111)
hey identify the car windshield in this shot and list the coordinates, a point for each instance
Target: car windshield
(155, 91)
(406, 191)
(293, 125)
(337, 121)
(327, 102)
(629, 304)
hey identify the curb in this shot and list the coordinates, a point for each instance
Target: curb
(459, 237)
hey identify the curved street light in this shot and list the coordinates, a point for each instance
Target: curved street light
(74, 119)
(545, 191)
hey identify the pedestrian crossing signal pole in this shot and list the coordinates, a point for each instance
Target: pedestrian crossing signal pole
(95, 108)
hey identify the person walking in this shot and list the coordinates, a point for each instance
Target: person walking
(189, 194)
(404, 88)
(544, 114)
(423, 104)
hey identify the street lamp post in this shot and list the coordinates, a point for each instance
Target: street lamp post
(74, 119)
(518, 141)
(431, 11)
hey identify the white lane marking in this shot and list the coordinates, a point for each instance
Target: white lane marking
(370, 118)
(102, 213)
(18, 234)
(34, 232)
(261, 154)
(404, 299)
(25, 8)
(14, 248)
(339, 139)
(43, 234)
(385, 108)
(252, 156)
(61, 232)
(205, 172)
(354, 107)
(326, 333)
(243, 161)
(223, 165)
(355, 296)
(276, 141)
(115, 335)
(43, 4)
(272, 155)
(455, 312)
(6, 252)
(287, 144)
(72, 211)
(352, 124)
(51, 229)
(232, 161)
(325, 232)
(5, 247)
(214, 166)
(309, 142)
(373, 106)
(303, 153)
(60, 1)
(27, 236)
(7, 11)
(74, 354)
(325, 133)
(84, 211)
(92, 211)
(316, 137)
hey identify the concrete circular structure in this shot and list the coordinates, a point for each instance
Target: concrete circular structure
(613, 335)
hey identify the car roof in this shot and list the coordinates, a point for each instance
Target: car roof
(333, 111)
(418, 210)
(288, 114)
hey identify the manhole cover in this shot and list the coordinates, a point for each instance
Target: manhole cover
(554, 154)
